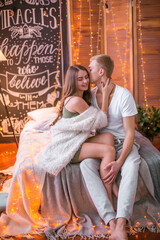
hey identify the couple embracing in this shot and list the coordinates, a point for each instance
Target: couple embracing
(110, 110)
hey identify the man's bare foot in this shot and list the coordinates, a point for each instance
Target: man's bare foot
(120, 230)
(112, 225)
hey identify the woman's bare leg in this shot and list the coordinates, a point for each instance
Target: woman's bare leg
(103, 151)
(106, 138)
(109, 187)
(115, 189)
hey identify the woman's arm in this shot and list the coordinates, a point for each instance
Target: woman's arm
(106, 91)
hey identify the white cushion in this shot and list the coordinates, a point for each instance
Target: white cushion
(42, 113)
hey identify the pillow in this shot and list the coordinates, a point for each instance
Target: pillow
(42, 113)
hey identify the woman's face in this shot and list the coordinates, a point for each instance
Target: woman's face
(82, 81)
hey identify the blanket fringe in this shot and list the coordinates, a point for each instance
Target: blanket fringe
(64, 235)
(52, 235)
(134, 230)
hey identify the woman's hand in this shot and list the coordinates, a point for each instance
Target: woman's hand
(107, 88)
(106, 93)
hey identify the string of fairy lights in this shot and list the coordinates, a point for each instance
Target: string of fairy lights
(76, 37)
(60, 49)
(122, 49)
(79, 35)
(99, 27)
(140, 43)
(123, 59)
(59, 46)
(76, 28)
(60, 39)
(90, 27)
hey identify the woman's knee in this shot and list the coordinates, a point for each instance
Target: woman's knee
(109, 150)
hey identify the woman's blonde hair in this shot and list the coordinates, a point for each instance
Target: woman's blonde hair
(70, 88)
(104, 61)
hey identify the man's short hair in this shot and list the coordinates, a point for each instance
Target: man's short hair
(105, 62)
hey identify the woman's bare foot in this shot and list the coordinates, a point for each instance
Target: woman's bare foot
(119, 232)
(115, 189)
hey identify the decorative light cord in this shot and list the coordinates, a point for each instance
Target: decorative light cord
(123, 62)
(91, 33)
(60, 45)
(79, 36)
(140, 42)
(99, 28)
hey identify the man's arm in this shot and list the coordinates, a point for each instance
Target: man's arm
(129, 127)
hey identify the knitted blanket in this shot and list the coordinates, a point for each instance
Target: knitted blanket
(69, 132)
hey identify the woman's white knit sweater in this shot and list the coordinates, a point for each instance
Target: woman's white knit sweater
(67, 136)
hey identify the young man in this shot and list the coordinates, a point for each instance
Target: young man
(121, 117)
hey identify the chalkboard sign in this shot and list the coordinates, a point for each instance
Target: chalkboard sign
(33, 37)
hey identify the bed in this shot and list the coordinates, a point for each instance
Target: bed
(60, 206)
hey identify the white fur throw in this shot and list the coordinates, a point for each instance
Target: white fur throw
(67, 136)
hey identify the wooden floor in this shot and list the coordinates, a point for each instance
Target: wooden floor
(8, 157)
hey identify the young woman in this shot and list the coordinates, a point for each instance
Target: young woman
(76, 112)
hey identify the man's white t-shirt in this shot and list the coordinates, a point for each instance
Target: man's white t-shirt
(122, 105)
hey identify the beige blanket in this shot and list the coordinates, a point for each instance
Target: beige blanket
(61, 205)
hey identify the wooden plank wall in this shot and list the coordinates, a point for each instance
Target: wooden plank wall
(86, 29)
(117, 23)
(119, 41)
(150, 20)
(112, 32)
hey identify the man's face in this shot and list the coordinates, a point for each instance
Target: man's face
(94, 72)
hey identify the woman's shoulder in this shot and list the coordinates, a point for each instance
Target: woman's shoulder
(74, 100)
(75, 104)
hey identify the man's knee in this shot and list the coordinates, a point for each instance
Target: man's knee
(134, 157)
(90, 164)
(132, 163)
(131, 168)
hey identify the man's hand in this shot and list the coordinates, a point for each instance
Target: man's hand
(112, 174)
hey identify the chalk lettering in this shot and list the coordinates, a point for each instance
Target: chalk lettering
(27, 70)
(10, 62)
(26, 82)
(29, 105)
(26, 51)
(46, 59)
(29, 16)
